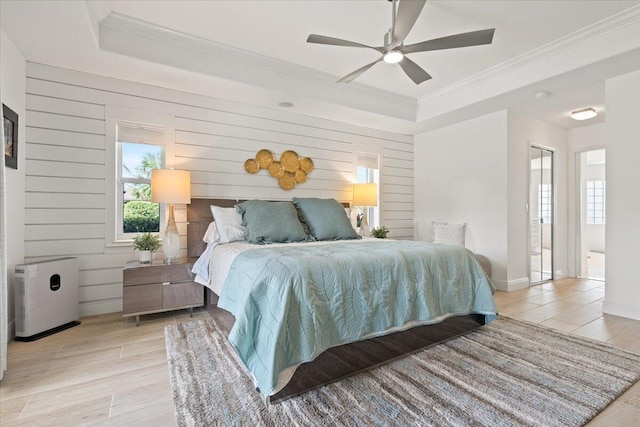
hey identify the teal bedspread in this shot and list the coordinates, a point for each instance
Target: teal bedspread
(292, 303)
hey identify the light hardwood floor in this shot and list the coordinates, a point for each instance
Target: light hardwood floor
(105, 371)
(108, 372)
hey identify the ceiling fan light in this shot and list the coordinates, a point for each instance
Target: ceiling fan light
(393, 57)
(584, 114)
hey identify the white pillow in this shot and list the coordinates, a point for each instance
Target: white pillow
(450, 234)
(211, 235)
(423, 231)
(229, 224)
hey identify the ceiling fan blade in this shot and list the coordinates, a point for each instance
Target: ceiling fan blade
(414, 71)
(473, 38)
(352, 76)
(315, 38)
(408, 12)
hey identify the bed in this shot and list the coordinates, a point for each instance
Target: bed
(297, 303)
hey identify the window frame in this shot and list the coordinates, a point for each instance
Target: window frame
(374, 214)
(120, 182)
(593, 214)
(115, 116)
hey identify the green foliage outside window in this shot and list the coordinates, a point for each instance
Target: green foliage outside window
(149, 162)
(141, 216)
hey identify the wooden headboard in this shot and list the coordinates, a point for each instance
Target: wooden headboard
(198, 218)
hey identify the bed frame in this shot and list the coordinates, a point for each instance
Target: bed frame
(338, 362)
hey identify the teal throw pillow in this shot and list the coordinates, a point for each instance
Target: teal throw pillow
(325, 218)
(270, 222)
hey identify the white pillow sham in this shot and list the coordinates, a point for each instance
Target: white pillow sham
(229, 224)
(211, 235)
(450, 234)
(423, 231)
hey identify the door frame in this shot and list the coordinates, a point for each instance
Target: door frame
(553, 211)
(578, 206)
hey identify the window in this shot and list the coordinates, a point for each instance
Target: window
(368, 171)
(596, 194)
(137, 142)
(544, 203)
(136, 160)
(138, 214)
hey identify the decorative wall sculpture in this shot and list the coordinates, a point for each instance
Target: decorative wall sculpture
(290, 170)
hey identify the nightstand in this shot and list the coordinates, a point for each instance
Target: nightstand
(157, 287)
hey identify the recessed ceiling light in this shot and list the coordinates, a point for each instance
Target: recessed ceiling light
(393, 57)
(584, 114)
(542, 94)
(285, 104)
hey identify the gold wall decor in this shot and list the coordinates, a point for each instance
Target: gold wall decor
(290, 170)
(252, 166)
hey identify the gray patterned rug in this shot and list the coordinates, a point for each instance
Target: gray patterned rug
(510, 373)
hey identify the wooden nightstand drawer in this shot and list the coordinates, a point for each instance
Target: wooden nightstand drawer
(158, 273)
(182, 295)
(141, 298)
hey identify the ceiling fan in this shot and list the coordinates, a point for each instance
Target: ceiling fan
(394, 51)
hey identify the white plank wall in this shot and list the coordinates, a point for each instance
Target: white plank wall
(66, 167)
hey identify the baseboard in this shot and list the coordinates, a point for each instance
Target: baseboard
(511, 285)
(621, 310)
(100, 307)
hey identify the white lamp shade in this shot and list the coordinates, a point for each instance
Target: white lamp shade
(365, 194)
(170, 186)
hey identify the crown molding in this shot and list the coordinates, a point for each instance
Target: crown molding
(97, 11)
(139, 39)
(596, 30)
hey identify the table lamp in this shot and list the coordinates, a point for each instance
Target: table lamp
(365, 195)
(170, 186)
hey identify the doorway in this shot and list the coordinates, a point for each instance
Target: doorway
(541, 214)
(591, 185)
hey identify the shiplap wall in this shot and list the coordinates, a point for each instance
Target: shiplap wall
(66, 168)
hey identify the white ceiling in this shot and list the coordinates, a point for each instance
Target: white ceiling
(267, 39)
(279, 29)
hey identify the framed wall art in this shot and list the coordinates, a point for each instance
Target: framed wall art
(10, 123)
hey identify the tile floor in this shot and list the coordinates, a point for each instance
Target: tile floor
(108, 372)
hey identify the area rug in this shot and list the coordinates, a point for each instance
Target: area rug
(509, 373)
